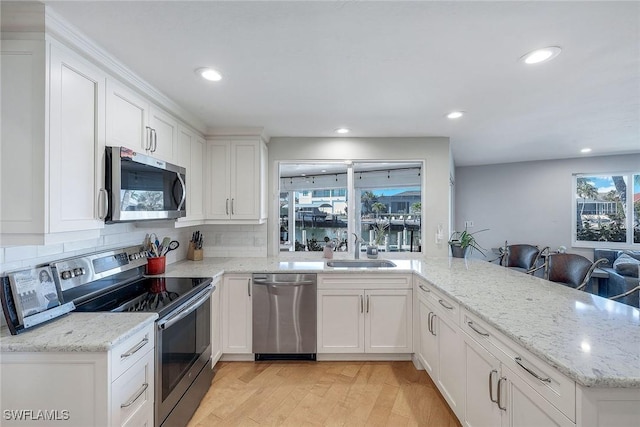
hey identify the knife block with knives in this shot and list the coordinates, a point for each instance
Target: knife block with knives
(195, 252)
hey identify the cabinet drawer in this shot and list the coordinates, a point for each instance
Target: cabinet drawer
(446, 306)
(555, 387)
(132, 394)
(125, 354)
(364, 281)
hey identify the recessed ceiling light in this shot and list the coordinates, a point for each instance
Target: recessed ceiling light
(342, 130)
(209, 74)
(541, 55)
(585, 150)
(455, 114)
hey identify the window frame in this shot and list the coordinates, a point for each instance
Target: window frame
(351, 202)
(629, 214)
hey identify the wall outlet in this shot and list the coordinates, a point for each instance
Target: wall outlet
(468, 224)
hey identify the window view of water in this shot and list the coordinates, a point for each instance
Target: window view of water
(386, 217)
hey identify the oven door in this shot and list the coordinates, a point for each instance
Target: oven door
(183, 340)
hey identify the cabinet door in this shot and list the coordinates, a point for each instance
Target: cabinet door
(450, 377)
(245, 180)
(428, 353)
(340, 321)
(216, 330)
(218, 180)
(132, 394)
(236, 314)
(22, 137)
(525, 407)
(482, 372)
(127, 118)
(388, 322)
(191, 157)
(164, 135)
(76, 136)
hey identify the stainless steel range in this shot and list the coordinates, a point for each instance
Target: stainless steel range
(114, 281)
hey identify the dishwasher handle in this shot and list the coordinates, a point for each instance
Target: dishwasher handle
(269, 283)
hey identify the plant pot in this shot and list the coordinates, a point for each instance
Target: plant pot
(458, 251)
(372, 251)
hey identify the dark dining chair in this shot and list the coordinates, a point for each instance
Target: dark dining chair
(571, 270)
(520, 256)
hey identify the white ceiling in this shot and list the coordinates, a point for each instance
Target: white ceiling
(392, 69)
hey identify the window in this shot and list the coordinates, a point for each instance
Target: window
(387, 205)
(607, 210)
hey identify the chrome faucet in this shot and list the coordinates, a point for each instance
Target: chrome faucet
(356, 244)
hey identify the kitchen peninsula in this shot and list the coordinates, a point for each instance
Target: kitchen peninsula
(586, 346)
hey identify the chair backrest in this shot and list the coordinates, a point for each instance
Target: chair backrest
(570, 269)
(521, 256)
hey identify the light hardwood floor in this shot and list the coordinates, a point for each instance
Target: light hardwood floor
(322, 394)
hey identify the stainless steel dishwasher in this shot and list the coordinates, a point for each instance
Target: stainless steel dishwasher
(284, 316)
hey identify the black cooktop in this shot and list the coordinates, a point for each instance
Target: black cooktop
(148, 294)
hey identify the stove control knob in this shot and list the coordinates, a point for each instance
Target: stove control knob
(78, 271)
(132, 257)
(66, 275)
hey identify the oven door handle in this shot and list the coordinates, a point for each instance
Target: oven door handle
(192, 305)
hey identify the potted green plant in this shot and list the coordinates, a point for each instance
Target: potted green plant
(379, 230)
(463, 243)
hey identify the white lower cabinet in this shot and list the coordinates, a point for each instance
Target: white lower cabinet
(441, 345)
(113, 388)
(356, 319)
(507, 386)
(496, 396)
(216, 327)
(236, 314)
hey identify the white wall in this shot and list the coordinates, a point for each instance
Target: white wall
(434, 151)
(529, 202)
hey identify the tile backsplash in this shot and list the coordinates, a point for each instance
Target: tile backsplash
(219, 241)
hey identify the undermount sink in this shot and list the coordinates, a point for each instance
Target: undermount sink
(360, 263)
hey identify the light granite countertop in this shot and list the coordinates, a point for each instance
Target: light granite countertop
(77, 332)
(592, 340)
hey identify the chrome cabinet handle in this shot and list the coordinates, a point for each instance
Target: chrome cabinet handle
(424, 288)
(479, 332)
(226, 206)
(148, 142)
(518, 360)
(233, 211)
(431, 328)
(367, 303)
(442, 303)
(184, 191)
(429, 321)
(103, 208)
(137, 395)
(499, 402)
(361, 304)
(249, 287)
(491, 386)
(154, 142)
(135, 349)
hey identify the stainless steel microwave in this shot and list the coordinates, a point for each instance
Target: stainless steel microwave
(142, 188)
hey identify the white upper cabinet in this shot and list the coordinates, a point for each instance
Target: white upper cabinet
(164, 135)
(127, 118)
(135, 123)
(236, 178)
(52, 144)
(191, 148)
(76, 143)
